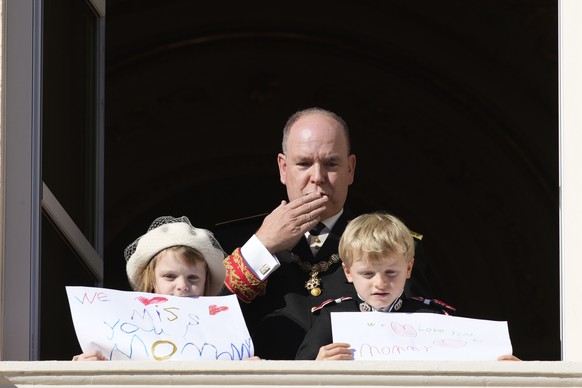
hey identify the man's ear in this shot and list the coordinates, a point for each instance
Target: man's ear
(347, 272)
(409, 269)
(282, 163)
(352, 167)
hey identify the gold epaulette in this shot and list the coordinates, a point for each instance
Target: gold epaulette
(417, 236)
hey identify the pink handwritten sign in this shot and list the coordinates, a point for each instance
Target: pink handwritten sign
(420, 336)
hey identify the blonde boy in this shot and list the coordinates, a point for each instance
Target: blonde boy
(377, 253)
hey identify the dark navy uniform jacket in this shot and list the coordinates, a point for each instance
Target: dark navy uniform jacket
(320, 334)
(279, 320)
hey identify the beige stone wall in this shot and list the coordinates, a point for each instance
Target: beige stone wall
(290, 374)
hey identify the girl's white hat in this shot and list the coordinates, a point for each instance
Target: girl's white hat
(166, 232)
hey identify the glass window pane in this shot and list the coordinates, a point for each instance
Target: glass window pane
(60, 267)
(69, 124)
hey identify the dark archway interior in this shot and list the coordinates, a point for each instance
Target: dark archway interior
(453, 109)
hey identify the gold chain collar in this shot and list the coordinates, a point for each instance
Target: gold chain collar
(314, 282)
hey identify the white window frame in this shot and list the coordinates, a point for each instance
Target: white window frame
(24, 191)
(570, 57)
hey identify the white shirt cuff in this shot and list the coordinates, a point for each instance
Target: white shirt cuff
(258, 258)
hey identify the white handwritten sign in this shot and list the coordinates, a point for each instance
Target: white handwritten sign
(142, 326)
(420, 336)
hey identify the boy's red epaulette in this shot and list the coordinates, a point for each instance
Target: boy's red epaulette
(436, 303)
(330, 301)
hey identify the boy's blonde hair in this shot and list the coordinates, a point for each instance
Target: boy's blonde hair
(373, 236)
(145, 280)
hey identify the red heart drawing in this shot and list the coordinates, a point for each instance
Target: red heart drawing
(214, 309)
(404, 330)
(148, 301)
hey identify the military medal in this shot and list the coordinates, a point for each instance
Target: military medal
(313, 284)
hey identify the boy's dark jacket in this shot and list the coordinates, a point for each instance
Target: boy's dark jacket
(320, 333)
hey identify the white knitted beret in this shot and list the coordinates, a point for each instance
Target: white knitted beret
(166, 232)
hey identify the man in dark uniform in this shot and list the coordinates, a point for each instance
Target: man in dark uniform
(302, 268)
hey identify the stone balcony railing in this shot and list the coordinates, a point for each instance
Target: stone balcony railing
(290, 374)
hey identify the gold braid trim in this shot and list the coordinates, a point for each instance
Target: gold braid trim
(240, 280)
(417, 236)
(322, 266)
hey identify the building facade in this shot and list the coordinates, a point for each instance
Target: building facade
(46, 219)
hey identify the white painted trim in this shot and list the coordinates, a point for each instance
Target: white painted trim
(22, 111)
(570, 57)
(72, 233)
(291, 373)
